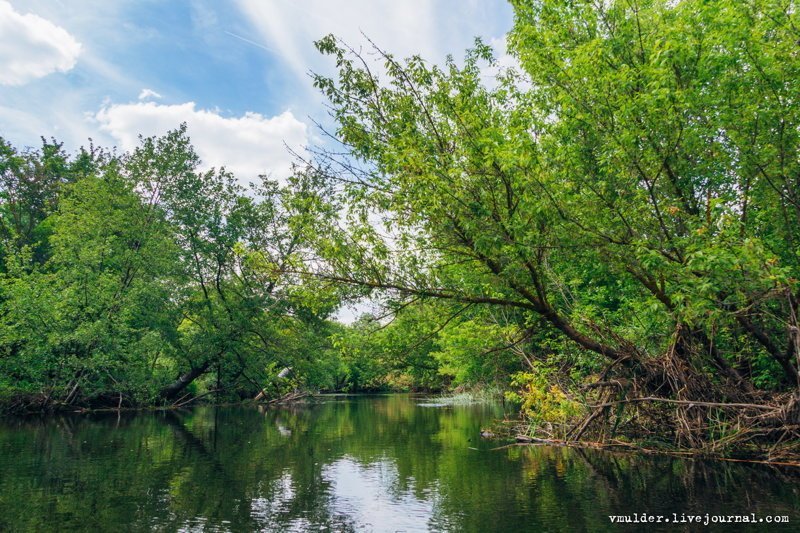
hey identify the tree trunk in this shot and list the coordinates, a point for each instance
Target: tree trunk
(173, 389)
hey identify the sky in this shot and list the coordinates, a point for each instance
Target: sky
(236, 71)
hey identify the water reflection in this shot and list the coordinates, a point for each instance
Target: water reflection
(349, 464)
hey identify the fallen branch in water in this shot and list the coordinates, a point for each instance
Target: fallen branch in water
(584, 426)
(524, 440)
(502, 447)
(190, 400)
(688, 402)
(290, 397)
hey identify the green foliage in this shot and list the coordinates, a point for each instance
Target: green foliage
(474, 353)
(542, 401)
(427, 346)
(121, 273)
(395, 354)
(630, 199)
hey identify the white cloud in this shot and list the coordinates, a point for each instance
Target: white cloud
(248, 145)
(32, 47)
(148, 93)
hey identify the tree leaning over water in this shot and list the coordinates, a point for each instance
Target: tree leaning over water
(126, 278)
(633, 195)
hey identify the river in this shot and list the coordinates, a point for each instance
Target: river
(351, 463)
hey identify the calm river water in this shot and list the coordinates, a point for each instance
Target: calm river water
(368, 463)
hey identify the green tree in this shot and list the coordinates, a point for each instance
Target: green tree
(150, 274)
(633, 193)
(89, 320)
(30, 185)
(239, 310)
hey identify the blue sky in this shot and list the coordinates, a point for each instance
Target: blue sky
(235, 71)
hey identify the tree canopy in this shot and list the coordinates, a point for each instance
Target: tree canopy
(630, 192)
(127, 277)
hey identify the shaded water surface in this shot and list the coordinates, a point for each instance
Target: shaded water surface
(380, 463)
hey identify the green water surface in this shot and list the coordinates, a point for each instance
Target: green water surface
(347, 463)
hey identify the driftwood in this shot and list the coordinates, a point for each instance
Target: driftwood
(525, 440)
(689, 403)
(292, 396)
(281, 375)
(190, 400)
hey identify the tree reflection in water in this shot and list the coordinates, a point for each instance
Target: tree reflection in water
(349, 463)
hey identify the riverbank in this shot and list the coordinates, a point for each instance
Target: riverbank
(506, 428)
(31, 405)
(783, 452)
